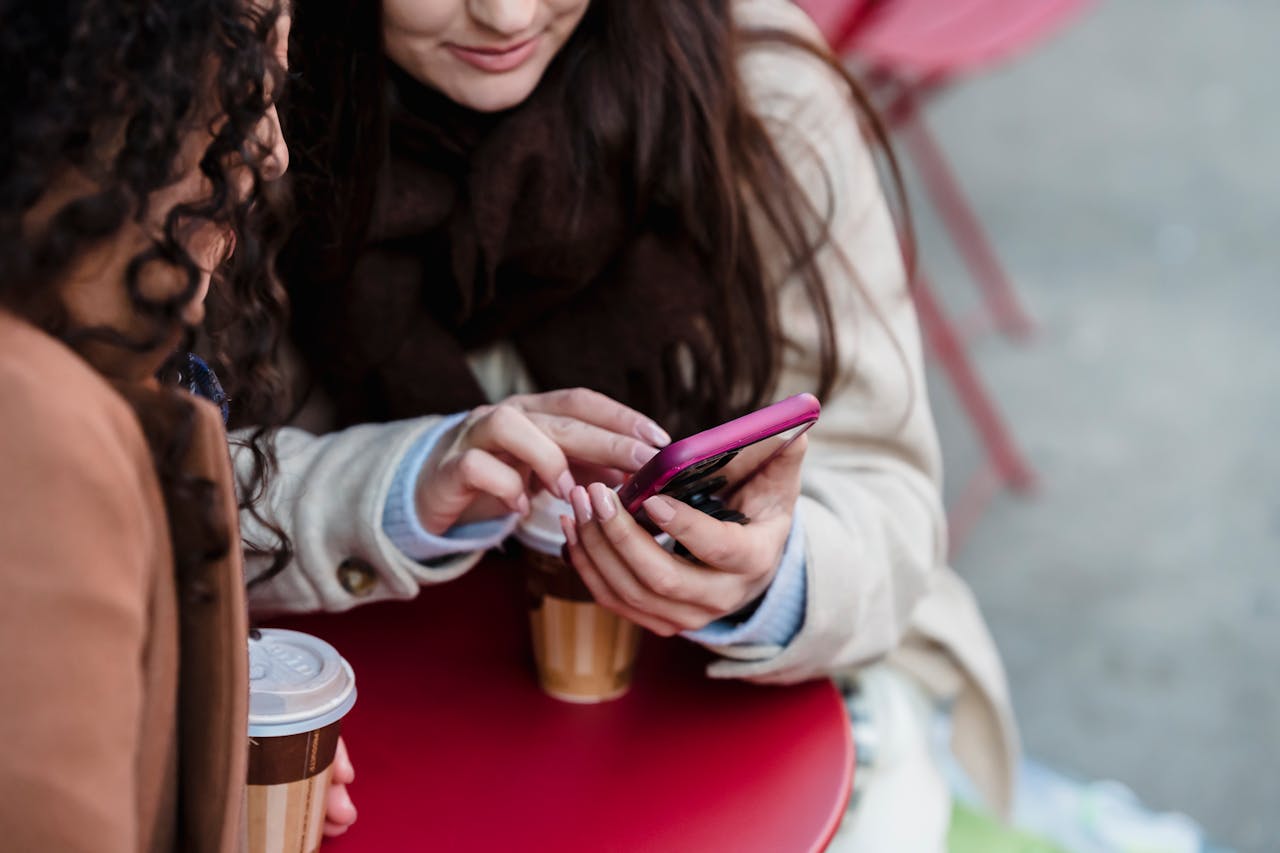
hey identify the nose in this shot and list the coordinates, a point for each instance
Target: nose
(506, 17)
(275, 164)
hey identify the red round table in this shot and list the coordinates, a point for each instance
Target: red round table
(457, 749)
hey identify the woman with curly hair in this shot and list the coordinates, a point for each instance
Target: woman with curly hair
(139, 139)
(675, 204)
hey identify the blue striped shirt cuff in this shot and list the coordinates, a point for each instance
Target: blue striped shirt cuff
(780, 615)
(400, 512)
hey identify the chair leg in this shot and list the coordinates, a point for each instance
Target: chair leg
(949, 350)
(962, 223)
(968, 508)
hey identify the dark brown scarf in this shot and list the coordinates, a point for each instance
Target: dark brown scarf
(490, 228)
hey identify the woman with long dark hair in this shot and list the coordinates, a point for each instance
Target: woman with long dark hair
(139, 140)
(676, 205)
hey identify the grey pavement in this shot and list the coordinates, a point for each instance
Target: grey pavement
(1128, 172)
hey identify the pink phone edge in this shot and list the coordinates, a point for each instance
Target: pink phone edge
(796, 410)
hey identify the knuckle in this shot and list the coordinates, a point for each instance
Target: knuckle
(470, 463)
(718, 553)
(633, 597)
(560, 428)
(725, 602)
(580, 399)
(504, 415)
(620, 535)
(666, 584)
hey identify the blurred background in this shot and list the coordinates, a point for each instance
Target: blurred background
(1123, 165)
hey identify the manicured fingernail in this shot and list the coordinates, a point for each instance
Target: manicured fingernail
(654, 434)
(522, 505)
(565, 485)
(602, 501)
(643, 454)
(660, 509)
(570, 534)
(581, 504)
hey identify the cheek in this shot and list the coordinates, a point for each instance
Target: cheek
(420, 18)
(564, 17)
(568, 8)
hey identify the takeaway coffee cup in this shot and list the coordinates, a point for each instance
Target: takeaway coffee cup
(583, 652)
(300, 688)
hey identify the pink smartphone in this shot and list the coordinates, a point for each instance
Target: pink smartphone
(704, 470)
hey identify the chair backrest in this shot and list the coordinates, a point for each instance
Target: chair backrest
(938, 38)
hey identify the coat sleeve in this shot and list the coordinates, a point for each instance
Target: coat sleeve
(327, 495)
(81, 535)
(873, 520)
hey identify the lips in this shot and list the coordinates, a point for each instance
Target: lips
(495, 59)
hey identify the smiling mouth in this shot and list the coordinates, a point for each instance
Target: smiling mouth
(496, 59)
(495, 51)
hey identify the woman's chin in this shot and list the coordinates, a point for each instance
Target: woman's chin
(498, 93)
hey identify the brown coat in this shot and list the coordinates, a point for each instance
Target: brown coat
(122, 708)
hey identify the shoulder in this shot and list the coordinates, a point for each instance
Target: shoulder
(782, 15)
(784, 80)
(54, 396)
(806, 106)
(66, 436)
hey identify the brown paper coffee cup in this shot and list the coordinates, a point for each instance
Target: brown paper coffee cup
(583, 652)
(300, 688)
(288, 781)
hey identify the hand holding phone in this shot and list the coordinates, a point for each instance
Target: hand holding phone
(752, 464)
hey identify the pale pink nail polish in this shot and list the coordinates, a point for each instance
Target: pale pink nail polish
(659, 509)
(643, 454)
(654, 434)
(602, 501)
(570, 534)
(581, 504)
(565, 484)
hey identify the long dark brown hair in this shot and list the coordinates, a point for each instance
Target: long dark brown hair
(112, 90)
(655, 95)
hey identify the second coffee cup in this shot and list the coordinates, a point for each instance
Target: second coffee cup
(300, 688)
(583, 652)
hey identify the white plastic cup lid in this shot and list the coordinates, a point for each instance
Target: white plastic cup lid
(540, 530)
(297, 683)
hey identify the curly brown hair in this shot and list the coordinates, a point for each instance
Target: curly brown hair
(112, 91)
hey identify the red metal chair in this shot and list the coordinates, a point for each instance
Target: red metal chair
(910, 49)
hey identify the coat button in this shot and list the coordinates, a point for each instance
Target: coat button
(357, 577)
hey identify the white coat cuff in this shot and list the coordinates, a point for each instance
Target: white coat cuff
(400, 513)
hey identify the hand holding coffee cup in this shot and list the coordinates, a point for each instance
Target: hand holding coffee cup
(300, 688)
(339, 812)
